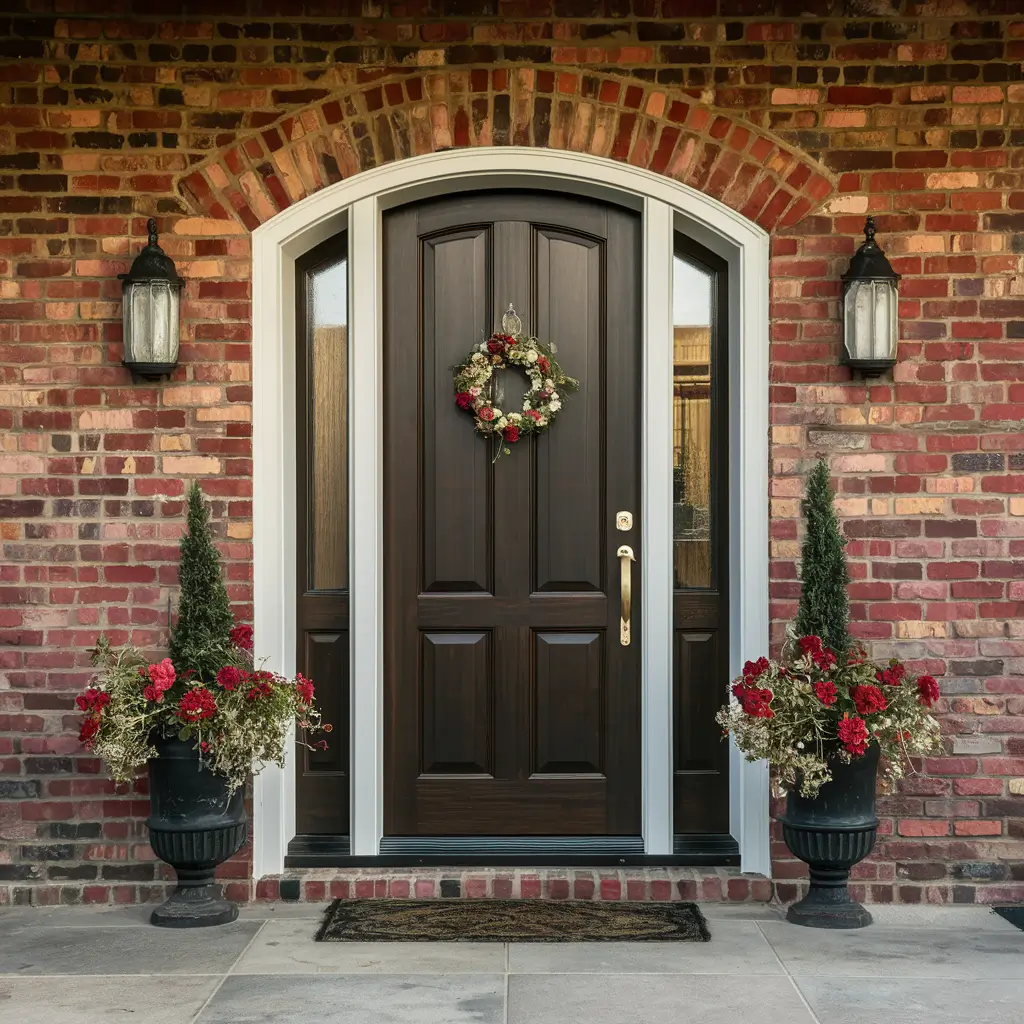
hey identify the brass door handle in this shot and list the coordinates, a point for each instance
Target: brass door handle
(626, 559)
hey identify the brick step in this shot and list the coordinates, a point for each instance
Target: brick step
(714, 885)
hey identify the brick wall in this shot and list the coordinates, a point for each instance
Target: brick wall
(805, 122)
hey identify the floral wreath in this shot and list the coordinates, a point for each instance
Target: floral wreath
(474, 384)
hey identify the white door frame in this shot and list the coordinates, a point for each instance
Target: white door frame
(357, 203)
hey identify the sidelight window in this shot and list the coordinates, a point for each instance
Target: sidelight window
(693, 369)
(326, 287)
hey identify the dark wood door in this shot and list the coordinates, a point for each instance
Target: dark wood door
(511, 708)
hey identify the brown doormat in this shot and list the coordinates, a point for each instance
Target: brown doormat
(488, 920)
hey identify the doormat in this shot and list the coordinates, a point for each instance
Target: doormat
(1015, 915)
(489, 920)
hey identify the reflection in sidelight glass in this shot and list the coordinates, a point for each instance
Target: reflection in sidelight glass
(327, 366)
(691, 424)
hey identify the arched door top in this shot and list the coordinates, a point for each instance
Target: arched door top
(362, 126)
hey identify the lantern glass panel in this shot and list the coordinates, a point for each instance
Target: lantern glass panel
(151, 322)
(870, 320)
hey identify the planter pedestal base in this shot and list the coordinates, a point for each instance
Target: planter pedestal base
(828, 903)
(195, 903)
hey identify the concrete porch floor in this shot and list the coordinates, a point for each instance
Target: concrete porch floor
(917, 965)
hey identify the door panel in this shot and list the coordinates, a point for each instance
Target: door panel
(568, 688)
(456, 491)
(456, 701)
(510, 706)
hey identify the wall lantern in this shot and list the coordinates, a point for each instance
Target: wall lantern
(870, 328)
(150, 305)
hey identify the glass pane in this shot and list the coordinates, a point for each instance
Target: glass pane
(691, 440)
(327, 347)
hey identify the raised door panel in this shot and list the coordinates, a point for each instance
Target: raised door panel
(569, 492)
(701, 756)
(324, 773)
(456, 470)
(456, 704)
(568, 703)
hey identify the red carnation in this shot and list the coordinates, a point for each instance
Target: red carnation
(496, 346)
(826, 692)
(464, 400)
(261, 685)
(853, 734)
(543, 364)
(229, 677)
(511, 434)
(821, 655)
(196, 705)
(868, 699)
(90, 727)
(304, 689)
(241, 637)
(811, 644)
(754, 700)
(162, 675)
(756, 669)
(486, 414)
(94, 699)
(927, 691)
(532, 413)
(894, 675)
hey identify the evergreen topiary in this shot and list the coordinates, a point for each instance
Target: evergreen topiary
(824, 603)
(200, 639)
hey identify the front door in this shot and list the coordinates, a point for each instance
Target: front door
(511, 706)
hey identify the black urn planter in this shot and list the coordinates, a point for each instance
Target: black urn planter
(832, 832)
(194, 825)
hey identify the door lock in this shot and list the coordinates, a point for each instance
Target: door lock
(623, 521)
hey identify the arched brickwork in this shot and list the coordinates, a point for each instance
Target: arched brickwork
(401, 115)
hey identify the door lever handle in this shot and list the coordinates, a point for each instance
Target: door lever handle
(626, 559)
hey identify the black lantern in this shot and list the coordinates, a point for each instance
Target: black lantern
(150, 311)
(870, 324)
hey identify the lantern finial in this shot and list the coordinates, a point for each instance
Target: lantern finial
(869, 230)
(151, 228)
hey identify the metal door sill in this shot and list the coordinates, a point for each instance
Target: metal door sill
(307, 851)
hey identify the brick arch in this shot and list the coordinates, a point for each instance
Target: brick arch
(409, 114)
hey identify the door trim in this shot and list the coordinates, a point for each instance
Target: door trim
(357, 204)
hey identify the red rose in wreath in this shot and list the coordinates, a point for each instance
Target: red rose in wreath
(511, 434)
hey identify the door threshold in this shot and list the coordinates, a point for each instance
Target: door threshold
(705, 850)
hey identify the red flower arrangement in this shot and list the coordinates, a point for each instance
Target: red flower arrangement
(807, 708)
(239, 719)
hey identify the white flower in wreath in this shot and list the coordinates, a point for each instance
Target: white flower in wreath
(475, 391)
(483, 346)
(554, 405)
(478, 358)
(549, 383)
(515, 417)
(531, 356)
